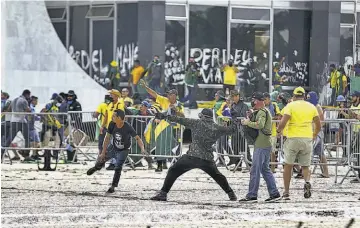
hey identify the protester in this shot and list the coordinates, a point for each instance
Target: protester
(155, 75)
(19, 122)
(238, 110)
(261, 121)
(121, 133)
(301, 115)
(355, 114)
(192, 73)
(6, 119)
(318, 148)
(125, 97)
(113, 75)
(220, 103)
(99, 114)
(74, 106)
(200, 154)
(135, 76)
(333, 80)
(230, 70)
(34, 134)
(116, 104)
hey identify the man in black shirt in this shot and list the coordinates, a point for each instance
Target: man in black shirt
(121, 133)
(204, 134)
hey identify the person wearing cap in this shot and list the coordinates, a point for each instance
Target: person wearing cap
(125, 97)
(301, 116)
(354, 112)
(99, 114)
(113, 75)
(74, 106)
(319, 148)
(120, 133)
(166, 103)
(260, 120)
(238, 110)
(230, 70)
(200, 154)
(115, 104)
(219, 103)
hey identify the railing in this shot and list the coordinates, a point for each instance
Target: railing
(78, 134)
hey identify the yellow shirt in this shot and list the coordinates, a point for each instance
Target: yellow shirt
(230, 75)
(102, 110)
(165, 103)
(344, 81)
(112, 107)
(286, 128)
(301, 115)
(333, 78)
(128, 99)
(136, 74)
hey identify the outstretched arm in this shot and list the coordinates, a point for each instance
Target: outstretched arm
(190, 123)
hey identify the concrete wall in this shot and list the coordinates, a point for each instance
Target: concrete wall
(34, 58)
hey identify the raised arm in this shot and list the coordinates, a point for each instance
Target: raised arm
(190, 123)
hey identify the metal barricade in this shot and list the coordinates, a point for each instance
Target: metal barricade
(162, 139)
(39, 134)
(234, 147)
(353, 155)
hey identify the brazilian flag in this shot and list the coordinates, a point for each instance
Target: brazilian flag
(161, 137)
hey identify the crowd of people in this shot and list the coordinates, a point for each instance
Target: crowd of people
(124, 120)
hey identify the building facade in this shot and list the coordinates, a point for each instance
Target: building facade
(297, 40)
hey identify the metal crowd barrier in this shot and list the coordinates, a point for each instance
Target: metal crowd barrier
(335, 140)
(49, 135)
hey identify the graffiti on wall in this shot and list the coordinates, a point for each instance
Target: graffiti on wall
(125, 56)
(292, 73)
(211, 61)
(174, 65)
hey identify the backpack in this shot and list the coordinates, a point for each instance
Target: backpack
(250, 133)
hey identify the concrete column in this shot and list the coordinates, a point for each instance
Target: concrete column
(151, 30)
(324, 44)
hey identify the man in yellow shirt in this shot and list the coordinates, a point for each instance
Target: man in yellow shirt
(230, 71)
(135, 76)
(300, 115)
(334, 75)
(99, 114)
(116, 104)
(128, 101)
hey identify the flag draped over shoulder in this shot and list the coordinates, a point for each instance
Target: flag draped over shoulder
(161, 136)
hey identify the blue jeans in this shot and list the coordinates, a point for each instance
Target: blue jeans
(261, 165)
(191, 96)
(120, 157)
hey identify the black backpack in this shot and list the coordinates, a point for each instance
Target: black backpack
(251, 134)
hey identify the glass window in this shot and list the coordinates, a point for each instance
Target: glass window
(60, 28)
(102, 11)
(250, 14)
(347, 18)
(127, 36)
(249, 47)
(291, 47)
(346, 46)
(102, 53)
(174, 64)
(79, 36)
(175, 10)
(207, 40)
(56, 13)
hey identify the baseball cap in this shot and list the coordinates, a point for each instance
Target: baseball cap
(234, 93)
(355, 94)
(220, 93)
(146, 104)
(54, 96)
(299, 91)
(115, 92)
(120, 113)
(258, 96)
(172, 91)
(340, 98)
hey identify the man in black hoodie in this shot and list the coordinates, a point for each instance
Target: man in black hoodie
(200, 154)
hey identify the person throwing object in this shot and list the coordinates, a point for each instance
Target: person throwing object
(121, 133)
(204, 134)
